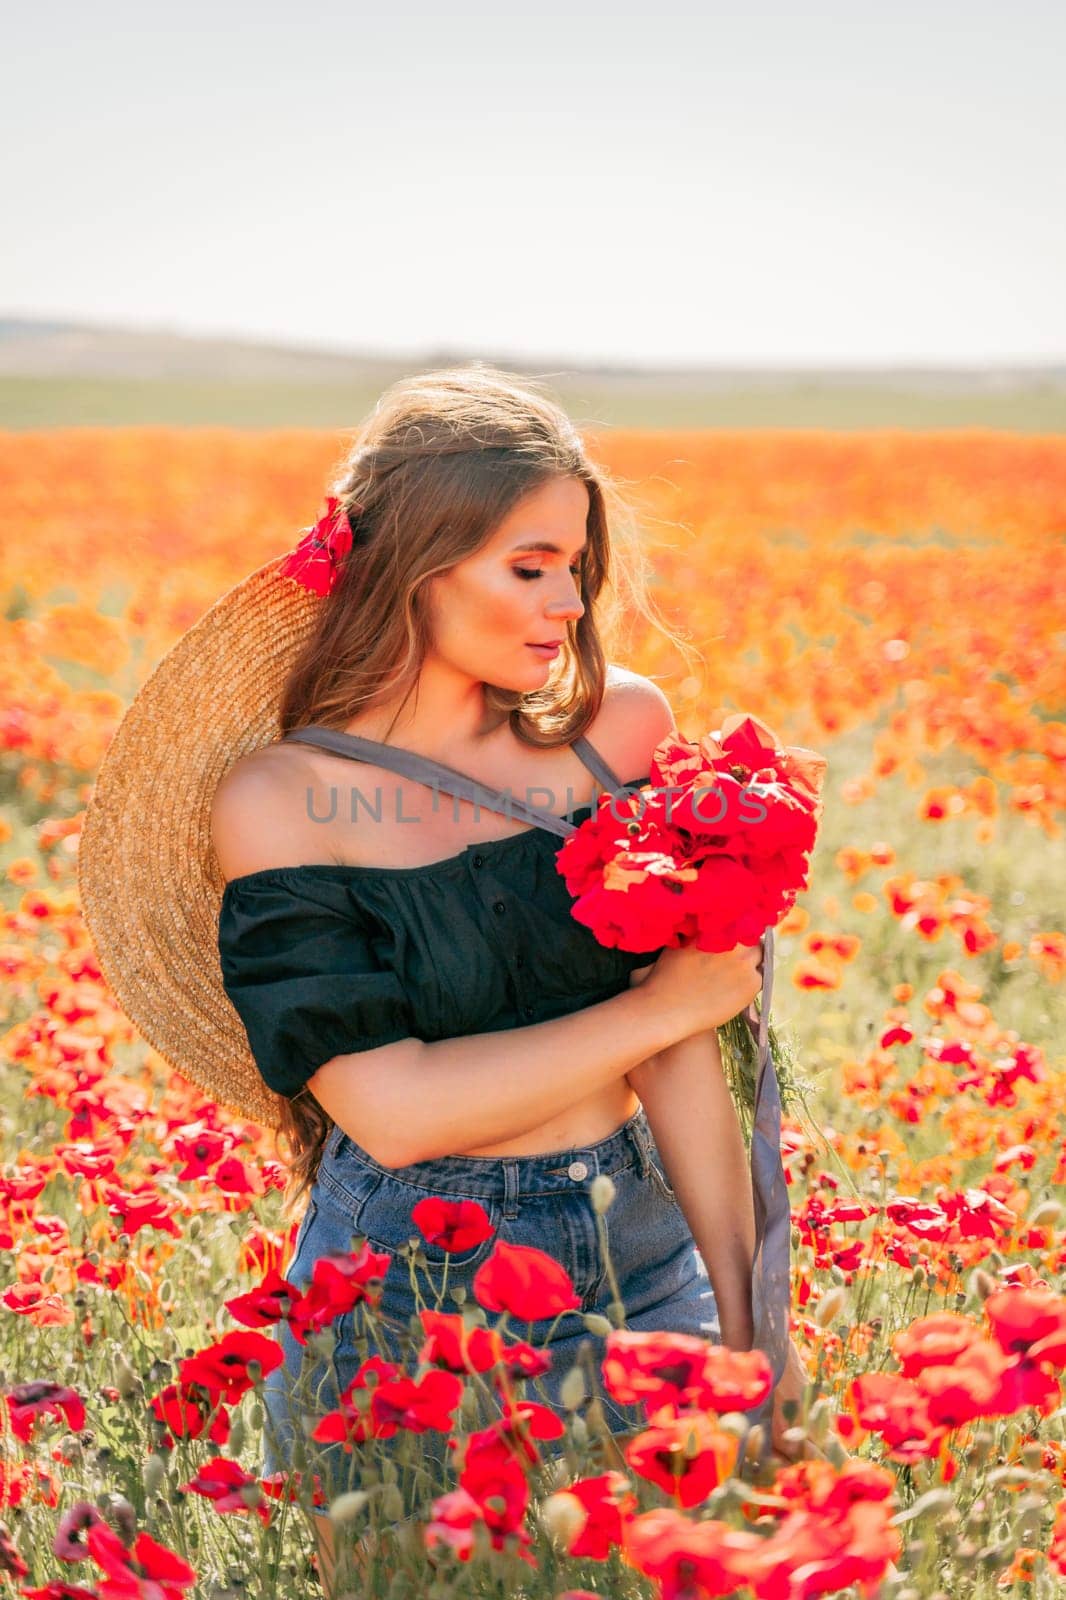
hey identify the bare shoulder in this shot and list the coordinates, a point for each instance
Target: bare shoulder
(257, 812)
(634, 717)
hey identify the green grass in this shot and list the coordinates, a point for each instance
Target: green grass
(626, 402)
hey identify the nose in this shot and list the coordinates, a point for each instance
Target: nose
(569, 604)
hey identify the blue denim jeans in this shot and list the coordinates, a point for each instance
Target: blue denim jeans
(540, 1200)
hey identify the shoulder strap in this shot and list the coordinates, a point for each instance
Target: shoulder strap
(592, 759)
(440, 776)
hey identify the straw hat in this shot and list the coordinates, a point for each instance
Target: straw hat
(150, 886)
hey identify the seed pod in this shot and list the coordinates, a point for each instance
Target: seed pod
(562, 1516)
(829, 1306)
(154, 1475)
(573, 1389)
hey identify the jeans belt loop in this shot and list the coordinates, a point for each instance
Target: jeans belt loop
(510, 1190)
(638, 1135)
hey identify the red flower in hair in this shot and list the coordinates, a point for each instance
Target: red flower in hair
(316, 561)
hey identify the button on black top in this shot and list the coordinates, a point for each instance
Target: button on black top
(499, 906)
(528, 1010)
(479, 861)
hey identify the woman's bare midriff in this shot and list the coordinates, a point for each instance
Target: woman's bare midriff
(586, 1123)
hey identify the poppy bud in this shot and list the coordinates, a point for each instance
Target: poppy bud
(562, 1516)
(129, 1383)
(347, 1506)
(154, 1474)
(573, 1389)
(829, 1306)
(392, 1506)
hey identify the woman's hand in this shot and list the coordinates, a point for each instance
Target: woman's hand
(793, 1385)
(707, 987)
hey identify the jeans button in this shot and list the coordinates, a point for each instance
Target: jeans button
(577, 1170)
(499, 906)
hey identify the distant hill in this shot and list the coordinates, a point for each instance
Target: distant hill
(56, 373)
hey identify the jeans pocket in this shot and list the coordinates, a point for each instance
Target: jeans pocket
(379, 1207)
(657, 1173)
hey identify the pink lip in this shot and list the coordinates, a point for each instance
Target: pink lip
(545, 649)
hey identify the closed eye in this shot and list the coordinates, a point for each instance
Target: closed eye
(538, 572)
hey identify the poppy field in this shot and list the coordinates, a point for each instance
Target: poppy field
(893, 600)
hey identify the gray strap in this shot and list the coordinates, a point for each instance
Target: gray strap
(771, 1264)
(602, 773)
(440, 776)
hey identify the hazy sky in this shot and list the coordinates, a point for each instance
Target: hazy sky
(765, 183)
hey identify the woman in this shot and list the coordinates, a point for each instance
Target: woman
(408, 976)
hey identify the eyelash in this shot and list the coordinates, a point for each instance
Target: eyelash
(538, 572)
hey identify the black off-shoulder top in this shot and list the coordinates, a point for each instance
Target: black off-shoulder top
(328, 959)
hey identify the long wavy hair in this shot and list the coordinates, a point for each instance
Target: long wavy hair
(443, 458)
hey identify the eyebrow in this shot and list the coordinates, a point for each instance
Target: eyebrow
(546, 544)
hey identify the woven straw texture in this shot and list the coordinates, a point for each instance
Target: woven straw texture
(149, 882)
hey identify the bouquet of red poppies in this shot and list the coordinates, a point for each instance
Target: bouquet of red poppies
(712, 853)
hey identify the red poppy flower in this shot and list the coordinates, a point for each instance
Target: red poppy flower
(1022, 1318)
(894, 1406)
(416, 1407)
(933, 1341)
(452, 1523)
(183, 1409)
(10, 1560)
(286, 1486)
(684, 1557)
(521, 1423)
(683, 1370)
(522, 1360)
(69, 1542)
(266, 1304)
(316, 560)
(229, 1486)
(606, 1500)
(338, 1283)
(145, 1568)
(713, 853)
(497, 1482)
(27, 1402)
(353, 1420)
(525, 1282)
(222, 1368)
(457, 1345)
(687, 1455)
(452, 1225)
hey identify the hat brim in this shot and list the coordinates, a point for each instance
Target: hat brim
(149, 882)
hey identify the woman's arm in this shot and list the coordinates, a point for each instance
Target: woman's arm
(692, 1116)
(410, 1101)
(690, 1110)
